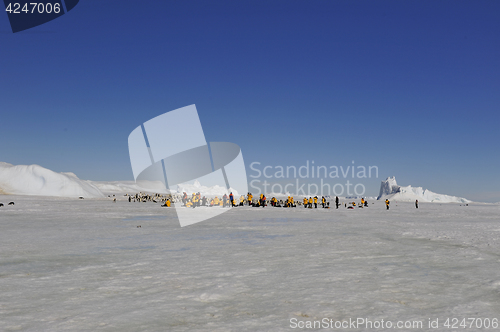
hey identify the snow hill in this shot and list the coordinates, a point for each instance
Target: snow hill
(39, 181)
(36, 180)
(389, 189)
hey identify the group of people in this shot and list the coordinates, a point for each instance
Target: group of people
(352, 205)
(286, 203)
(197, 200)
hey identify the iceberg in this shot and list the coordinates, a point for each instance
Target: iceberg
(389, 189)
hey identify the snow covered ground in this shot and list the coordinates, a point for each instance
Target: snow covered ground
(84, 265)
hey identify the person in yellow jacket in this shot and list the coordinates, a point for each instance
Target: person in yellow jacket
(310, 202)
(216, 201)
(167, 203)
(249, 198)
(242, 200)
(211, 202)
(189, 203)
(323, 201)
(387, 202)
(315, 202)
(305, 202)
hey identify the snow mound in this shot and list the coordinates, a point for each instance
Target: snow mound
(37, 180)
(204, 190)
(389, 189)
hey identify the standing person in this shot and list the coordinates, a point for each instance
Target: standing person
(337, 202)
(323, 201)
(416, 203)
(305, 202)
(231, 198)
(387, 202)
(310, 202)
(315, 202)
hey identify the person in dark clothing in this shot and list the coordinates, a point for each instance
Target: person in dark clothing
(416, 203)
(337, 202)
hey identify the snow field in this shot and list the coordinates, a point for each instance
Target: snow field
(69, 264)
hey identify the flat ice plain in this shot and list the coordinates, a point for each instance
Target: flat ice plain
(83, 265)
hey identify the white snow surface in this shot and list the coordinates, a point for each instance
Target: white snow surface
(37, 180)
(389, 189)
(84, 265)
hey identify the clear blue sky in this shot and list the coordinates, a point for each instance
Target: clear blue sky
(412, 87)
